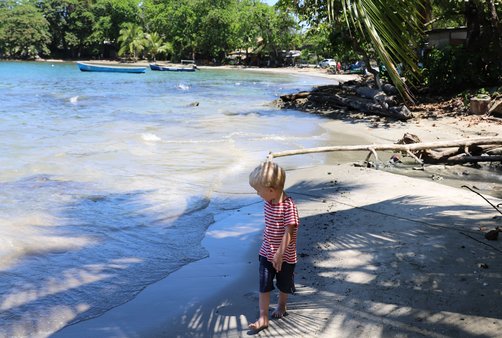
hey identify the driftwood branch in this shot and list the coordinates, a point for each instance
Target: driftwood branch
(393, 146)
(447, 157)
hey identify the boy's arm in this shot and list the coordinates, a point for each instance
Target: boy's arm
(277, 261)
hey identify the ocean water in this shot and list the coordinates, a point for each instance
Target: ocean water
(108, 182)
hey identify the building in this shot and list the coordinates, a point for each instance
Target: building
(443, 37)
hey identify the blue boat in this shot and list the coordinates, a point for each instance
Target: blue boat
(86, 67)
(154, 66)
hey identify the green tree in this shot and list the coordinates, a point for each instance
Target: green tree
(132, 40)
(69, 22)
(176, 20)
(264, 29)
(216, 25)
(24, 32)
(110, 15)
(476, 63)
(245, 26)
(155, 45)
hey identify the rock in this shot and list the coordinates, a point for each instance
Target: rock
(389, 89)
(402, 112)
(409, 139)
(493, 235)
(368, 92)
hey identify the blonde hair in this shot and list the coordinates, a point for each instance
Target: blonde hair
(268, 175)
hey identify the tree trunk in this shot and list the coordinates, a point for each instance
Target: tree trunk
(473, 22)
(496, 29)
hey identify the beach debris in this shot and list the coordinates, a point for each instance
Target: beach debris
(496, 107)
(482, 265)
(496, 207)
(493, 235)
(469, 150)
(351, 95)
(395, 159)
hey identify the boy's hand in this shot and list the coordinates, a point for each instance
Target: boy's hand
(277, 262)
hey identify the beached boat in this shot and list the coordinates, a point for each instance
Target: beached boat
(154, 66)
(87, 67)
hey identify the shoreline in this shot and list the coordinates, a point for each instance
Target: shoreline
(309, 71)
(367, 267)
(340, 292)
(166, 307)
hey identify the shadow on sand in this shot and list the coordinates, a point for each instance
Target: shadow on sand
(397, 268)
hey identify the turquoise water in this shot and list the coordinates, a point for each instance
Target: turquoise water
(108, 182)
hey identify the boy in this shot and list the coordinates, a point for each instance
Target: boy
(277, 253)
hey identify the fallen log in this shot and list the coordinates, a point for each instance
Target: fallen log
(410, 149)
(472, 159)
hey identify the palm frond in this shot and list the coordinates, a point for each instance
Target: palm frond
(391, 26)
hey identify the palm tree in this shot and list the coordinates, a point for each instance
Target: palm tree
(156, 45)
(131, 39)
(390, 26)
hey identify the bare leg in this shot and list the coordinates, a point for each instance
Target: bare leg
(280, 311)
(262, 322)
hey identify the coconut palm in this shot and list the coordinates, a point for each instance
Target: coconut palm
(156, 45)
(392, 27)
(132, 39)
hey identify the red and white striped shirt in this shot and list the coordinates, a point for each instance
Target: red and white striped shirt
(277, 218)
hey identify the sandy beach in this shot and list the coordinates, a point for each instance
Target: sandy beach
(381, 255)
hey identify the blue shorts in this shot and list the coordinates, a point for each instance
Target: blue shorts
(285, 281)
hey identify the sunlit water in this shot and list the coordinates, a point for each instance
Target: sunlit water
(108, 181)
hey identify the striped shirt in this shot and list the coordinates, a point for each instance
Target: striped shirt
(277, 218)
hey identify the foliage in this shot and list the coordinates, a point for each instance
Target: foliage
(478, 62)
(217, 25)
(393, 28)
(68, 21)
(112, 14)
(155, 45)
(24, 32)
(132, 40)
(453, 69)
(388, 30)
(204, 29)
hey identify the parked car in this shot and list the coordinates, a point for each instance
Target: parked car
(357, 68)
(326, 63)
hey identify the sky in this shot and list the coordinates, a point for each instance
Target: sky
(270, 2)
